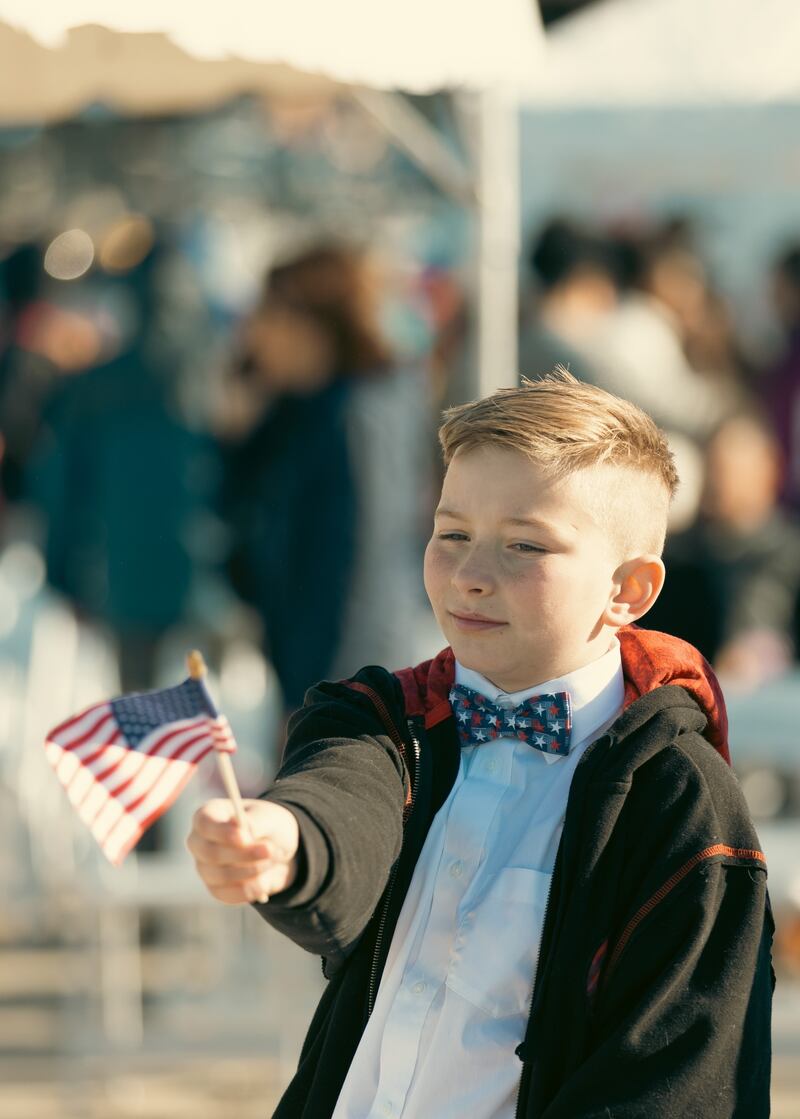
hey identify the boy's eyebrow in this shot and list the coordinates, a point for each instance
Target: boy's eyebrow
(529, 522)
(536, 522)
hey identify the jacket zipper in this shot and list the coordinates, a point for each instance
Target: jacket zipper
(518, 1107)
(603, 739)
(373, 971)
(394, 733)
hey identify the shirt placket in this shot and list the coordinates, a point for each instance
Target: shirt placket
(486, 772)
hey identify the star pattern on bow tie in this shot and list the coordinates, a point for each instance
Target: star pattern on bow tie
(543, 721)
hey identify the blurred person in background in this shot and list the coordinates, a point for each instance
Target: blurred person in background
(782, 382)
(596, 316)
(118, 477)
(575, 293)
(674, 274)
(26, 374)
(324, 441)
(734, 576)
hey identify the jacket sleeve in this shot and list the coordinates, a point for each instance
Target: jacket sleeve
(680, 1024)
(344, 777)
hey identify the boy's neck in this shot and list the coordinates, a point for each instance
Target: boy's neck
(540, 676)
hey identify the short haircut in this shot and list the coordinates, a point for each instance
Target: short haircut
(564, 426)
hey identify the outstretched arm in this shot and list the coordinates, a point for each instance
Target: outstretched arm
(327, 831)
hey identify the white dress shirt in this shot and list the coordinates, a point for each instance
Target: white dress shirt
(454, 999)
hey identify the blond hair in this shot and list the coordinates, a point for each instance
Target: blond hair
(564, 426)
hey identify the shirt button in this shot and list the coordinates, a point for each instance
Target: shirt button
(491, 766)
(456, 869)
(418, 988)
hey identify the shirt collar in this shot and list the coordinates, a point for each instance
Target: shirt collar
(597, 691)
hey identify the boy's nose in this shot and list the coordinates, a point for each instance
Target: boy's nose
(473, 577)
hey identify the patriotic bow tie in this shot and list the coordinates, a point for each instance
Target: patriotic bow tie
(543, 721)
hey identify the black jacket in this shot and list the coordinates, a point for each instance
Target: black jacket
(653, 992)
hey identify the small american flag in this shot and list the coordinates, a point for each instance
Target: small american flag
(124, 761)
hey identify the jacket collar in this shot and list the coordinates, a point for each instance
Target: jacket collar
(650, 660)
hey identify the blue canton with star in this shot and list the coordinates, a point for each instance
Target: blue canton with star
(543, 721)
(140, 713)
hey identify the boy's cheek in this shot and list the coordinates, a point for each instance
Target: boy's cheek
(433, 572)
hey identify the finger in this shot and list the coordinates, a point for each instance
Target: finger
(243, 893)
(231, 895)
(216, 822)
(223, 854)
(214, 875)
(258, 889)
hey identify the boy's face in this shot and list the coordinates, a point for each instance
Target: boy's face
(519, 570)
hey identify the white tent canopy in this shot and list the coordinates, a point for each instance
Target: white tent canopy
(177, 55)
(414, 45)
(630, 53)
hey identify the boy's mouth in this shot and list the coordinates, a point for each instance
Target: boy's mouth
(475, 621)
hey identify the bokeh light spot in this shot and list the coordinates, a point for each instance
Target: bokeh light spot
(69, 255)
(126, 243)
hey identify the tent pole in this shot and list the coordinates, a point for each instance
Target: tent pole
(498, 242)
(410, 130)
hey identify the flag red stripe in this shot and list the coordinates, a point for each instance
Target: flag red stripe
(119, 789)
(163, 807)
(108, 772)
(169, 757)
(130, 809)
(103, 776)
(196, 756)
(85, 762)
(75, 719)
(112, 741)
(116, 793)
(93, 729)
(159, 742)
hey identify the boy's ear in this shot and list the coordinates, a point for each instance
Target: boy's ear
(637, 584)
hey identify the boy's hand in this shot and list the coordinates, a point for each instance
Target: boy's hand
(237, 870)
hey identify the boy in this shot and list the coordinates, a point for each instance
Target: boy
(526, 863)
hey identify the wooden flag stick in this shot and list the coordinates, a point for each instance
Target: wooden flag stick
(197, 670)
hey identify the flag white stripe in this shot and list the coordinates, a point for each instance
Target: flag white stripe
(73, 728)
(126, 834)
(92, 722)
(53, 753)
(128, 762)
(192, 756)
(128, 765)
(161, 780)
(166, 785)
(104, 736)
(114, 753)
(148, 773)
(94, 801)
(154, 736)
(106, 743)
(68, 766)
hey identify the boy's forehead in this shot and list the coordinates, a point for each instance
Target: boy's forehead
(512, 486)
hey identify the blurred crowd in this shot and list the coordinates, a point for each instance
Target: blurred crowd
(282, 494)
(638, 313)
(289, 491)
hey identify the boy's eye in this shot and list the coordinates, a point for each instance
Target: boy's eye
(526, 548)
(452, 536)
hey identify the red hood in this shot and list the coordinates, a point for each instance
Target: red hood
(649, 660)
